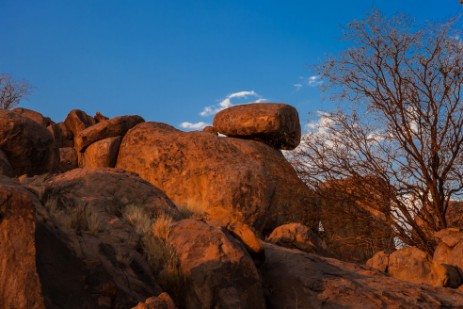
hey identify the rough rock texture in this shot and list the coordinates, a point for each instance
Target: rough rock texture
(99, 117)
(29, 147)
(77, 121)
(33, 115)
(117, 126)
(162, 301)
(379, 261)
(218, 272)
(102, 153)
(19, 282)
(415, 266)
(63, 137)
(299, 236)
(5, 166)
(274, 124)
(85, 243)
(198, 170)
(295, 279)
(449, 250)
(67, 159)
(360, 206)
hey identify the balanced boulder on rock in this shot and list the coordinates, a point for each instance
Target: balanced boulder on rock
(275, 124)
(198, 171)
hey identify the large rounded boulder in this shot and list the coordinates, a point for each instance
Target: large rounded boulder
(200, 171)
(272, 123)
(29, 146)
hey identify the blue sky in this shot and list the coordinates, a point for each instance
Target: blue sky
(179, 61)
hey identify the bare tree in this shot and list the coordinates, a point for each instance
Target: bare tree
(11, 92)
(400, 119)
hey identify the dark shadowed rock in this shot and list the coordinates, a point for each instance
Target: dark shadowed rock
(117, 126)
(5, 166)
(199, 171)
(102, 153)
(61, 134)
(67, 159)
(19, 282)
(77, 121)
(218, 272)
(295, 279)
(33, 115)
(86, 243)
(29, 147)
(274, 124)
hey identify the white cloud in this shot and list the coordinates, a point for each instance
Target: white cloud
(193, 126)
(227, 102)
(298, 86)
(314, 81)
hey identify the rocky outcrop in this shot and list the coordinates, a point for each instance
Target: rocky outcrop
(33, 115)
(415, 266)
(5, 166)
(89, 240)
(217, 271)
(20, 286)
(102, 153)
(449, 251)
(67, 159)
(198, 170)
(29, 147)
(114, 127)
(62, 135)
(299, 236)
(77, 121)
(162, 301)
(276, 125)
(294, 279)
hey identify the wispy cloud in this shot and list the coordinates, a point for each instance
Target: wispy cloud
(314, 81)
(298, 86)
(193, 126)
(227, 102)
(240, 97)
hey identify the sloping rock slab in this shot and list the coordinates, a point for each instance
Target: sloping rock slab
(274, 124)
(199, 171)
(19, 282)
(29, 147)
(295, 279)
(116, 126)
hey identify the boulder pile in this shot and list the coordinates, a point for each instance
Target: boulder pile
(125, 213)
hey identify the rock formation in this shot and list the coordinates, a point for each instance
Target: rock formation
(181, 221)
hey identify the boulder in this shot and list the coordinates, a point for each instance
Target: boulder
(449, 250)
(162, 301)
(415, 266)
(299, 236)
(99, 117)
(217, 271)
(33, 115)
(29, 147)
(5, 166)
(67, 159)
(63, 137)
(199, 171)
(274, 124)
(114, 127)
(90, 237)
(77, 121)
(379, 261)
(102, 153)
(296, 279)
(20, 286)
